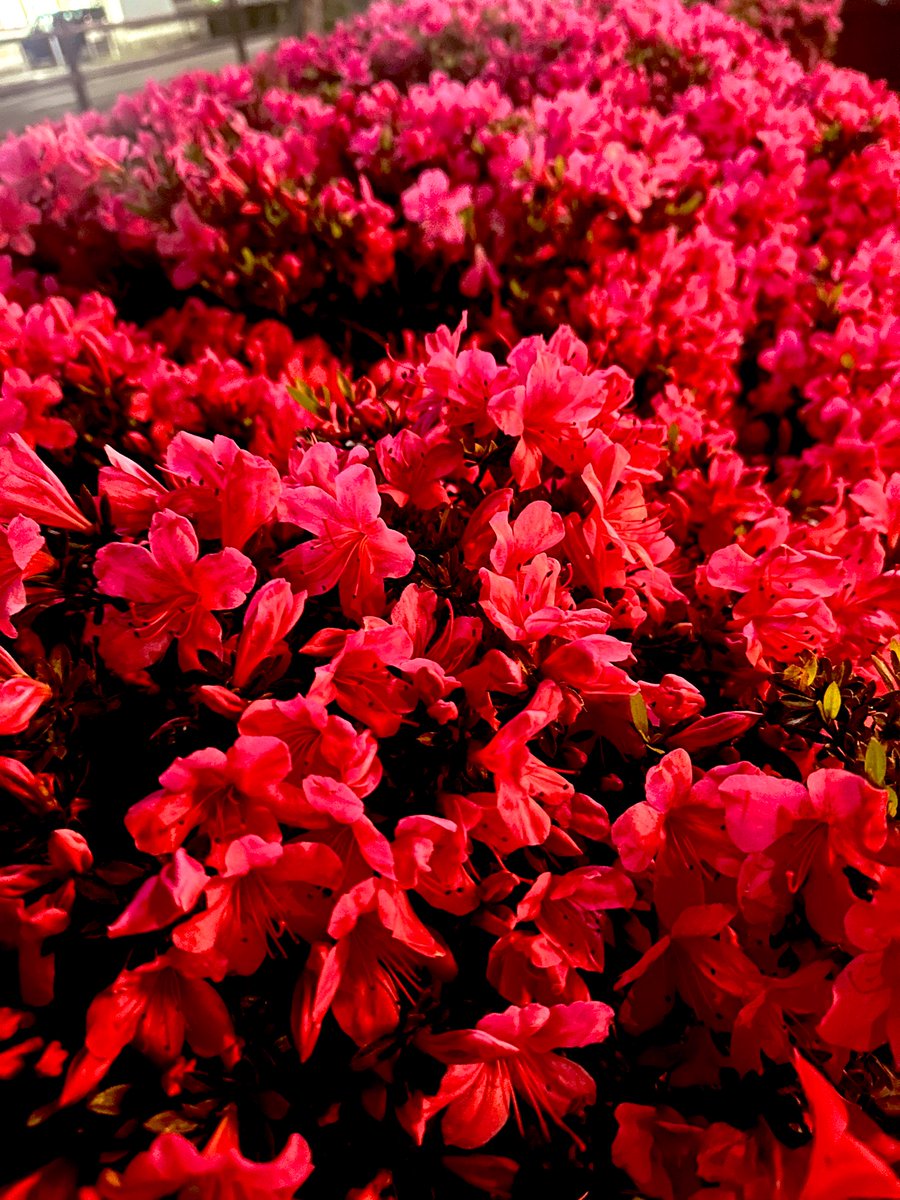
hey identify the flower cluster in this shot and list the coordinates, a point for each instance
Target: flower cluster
(809, 28)
(450, 689)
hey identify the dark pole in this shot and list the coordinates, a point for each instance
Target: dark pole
(305, 16)
(313, 16)
(71, 43)
(236, 21)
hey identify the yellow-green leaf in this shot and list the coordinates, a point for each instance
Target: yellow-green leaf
(345, 387)
(170, 1122)
(810, 671)
(639, 715)
(876, 762)
(305, 397)
(892, 802)
(831, 701)
(108, 1103)
(885, 671)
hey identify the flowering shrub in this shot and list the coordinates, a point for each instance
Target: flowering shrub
(809, 28)
(450, 689)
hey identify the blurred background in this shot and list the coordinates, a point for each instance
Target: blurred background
(56, 59)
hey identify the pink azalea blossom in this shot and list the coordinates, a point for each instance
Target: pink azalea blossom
(172, 591)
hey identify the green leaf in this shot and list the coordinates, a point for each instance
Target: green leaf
(170, 1122)
(810, 671)
(305, 397)
(686, 208)
(467, 216)
(892, 803)
(108, 1103)
(345, 387)
(639, 715)
(831, 702)
(884, 670)
(194, 153)
(876, 762)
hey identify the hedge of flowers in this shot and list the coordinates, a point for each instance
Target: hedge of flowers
(450, 597)
(809, 28)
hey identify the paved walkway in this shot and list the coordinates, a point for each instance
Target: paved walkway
(53, 97)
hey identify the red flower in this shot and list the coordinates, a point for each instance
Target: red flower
(535, 530)
(24, 410)
(265, 890)
(130, 493)
(330, 812)
(380, 950)
(224, 795)
(321, 743)
(802, 839)
(58, 1180)
(782, 1014)
(865, 1011)
(524, 967)
(229, 492)
(20, 695)
(669, 1157)
(21, 544)
(173, 1167)
(849, 1155)
(156, 1007)
(784, 607)
(173, 593)
(351, 546)
(523, 783)
(547, 398)
(431, 854)
(415, 469)
(25, 927)
(680, 829)
(164, 898)
(360, 679)
(509, 1056)
(569, 910)
(271, 614)
(701, 960)
(30, 489)
(528, 606)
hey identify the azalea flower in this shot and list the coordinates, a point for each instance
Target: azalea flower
(156, 1007)
(351, 544)
(378, 954)
(225, 795)
(172, 591)
(437, 207)
(174, 1167)
(21, 556)
(506, 1058)
(31, 490)
(265, 890)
